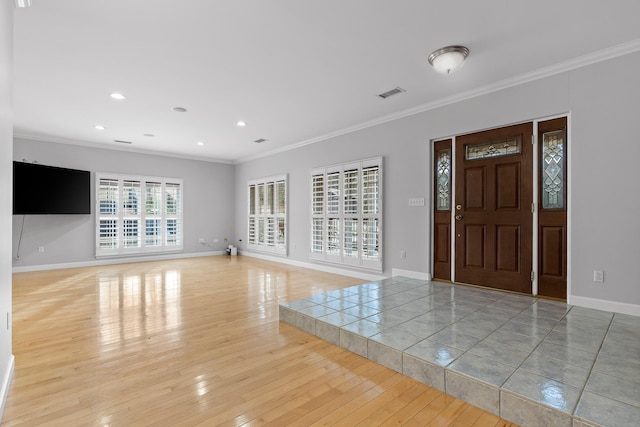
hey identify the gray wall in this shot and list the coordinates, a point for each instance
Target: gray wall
(604, 102)
(6, 147)
(208, 202)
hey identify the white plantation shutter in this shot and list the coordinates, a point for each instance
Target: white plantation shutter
(267, 215)
(346, 214)
(138, 215)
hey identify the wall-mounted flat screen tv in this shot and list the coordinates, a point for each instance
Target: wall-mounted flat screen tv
(50, 190)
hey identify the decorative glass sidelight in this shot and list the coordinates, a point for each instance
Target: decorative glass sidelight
(443, 179)
(553, 170)
(496, 148)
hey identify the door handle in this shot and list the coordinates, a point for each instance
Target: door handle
(458, 217)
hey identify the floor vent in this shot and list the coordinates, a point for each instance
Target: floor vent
(391, 92)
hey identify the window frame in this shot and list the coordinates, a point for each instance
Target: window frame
(331, 212)
(132, 214)
(267, 214)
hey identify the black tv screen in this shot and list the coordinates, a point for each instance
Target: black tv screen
(50, 190)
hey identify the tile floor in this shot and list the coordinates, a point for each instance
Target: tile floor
(531, 361)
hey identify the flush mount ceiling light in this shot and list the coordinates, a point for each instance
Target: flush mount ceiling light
(118, 96)
(200, 143)
(22, 3)
(241, 124)
(99, 127)
(448, 59)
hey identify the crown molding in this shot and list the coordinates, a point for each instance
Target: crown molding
(118, 148)
(562, 67)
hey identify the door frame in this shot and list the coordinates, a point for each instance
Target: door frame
(535, 195)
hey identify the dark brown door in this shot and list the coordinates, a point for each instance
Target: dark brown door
(493, 218)
(552, 211)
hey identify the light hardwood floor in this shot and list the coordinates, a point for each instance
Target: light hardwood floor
(197, 342)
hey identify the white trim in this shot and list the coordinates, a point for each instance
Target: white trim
(535, 150)
(410, 274)
(569, 166)
(119, 147)
(312, 266)
(572, 64)
(599, 304)
(111, 261)
(4, 387)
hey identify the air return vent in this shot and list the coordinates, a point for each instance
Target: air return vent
(122, 142)
(260, 141)
(391, 92)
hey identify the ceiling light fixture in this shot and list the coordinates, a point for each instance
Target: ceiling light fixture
(241, 124)
(448, 59)
(148, 135)
(200, 143)
(118, 96)
(22, 3)
(179, 109)
(99, 127)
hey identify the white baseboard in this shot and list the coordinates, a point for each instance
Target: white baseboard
(411, 274)
(598, 304)
(111, 261)
(320, 267)
(4, 387)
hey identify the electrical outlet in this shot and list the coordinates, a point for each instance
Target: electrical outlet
(598, 276)
(225, 240)
(202, 241)
(40, 249)
(416, 201)
(403, 254)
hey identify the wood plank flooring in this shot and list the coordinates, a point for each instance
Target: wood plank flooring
(197, 342)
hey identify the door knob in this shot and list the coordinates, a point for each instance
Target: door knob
(458, 217)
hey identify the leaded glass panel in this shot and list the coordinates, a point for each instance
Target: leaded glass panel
(553, 170)
(495, 148)
(443, 180)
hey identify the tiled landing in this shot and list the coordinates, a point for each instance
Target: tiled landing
(531, 361)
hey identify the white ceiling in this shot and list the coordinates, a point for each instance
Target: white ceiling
(295, 71)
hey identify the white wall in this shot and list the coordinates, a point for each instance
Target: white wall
(68, 239)
(604, 102)
(6, 176)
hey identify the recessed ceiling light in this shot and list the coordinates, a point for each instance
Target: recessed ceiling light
(179, 109)
(241, 124)
(99, 127)
(118, 96)
(200, 143)
(260, 141)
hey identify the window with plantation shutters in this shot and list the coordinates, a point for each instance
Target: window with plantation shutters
(346, 214)
(137, 215)
(267, 222)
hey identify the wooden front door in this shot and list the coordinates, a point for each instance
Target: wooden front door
(493, 203)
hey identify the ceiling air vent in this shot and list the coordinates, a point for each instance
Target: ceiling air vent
(122, 142)
(391, 92)
(260, 141)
